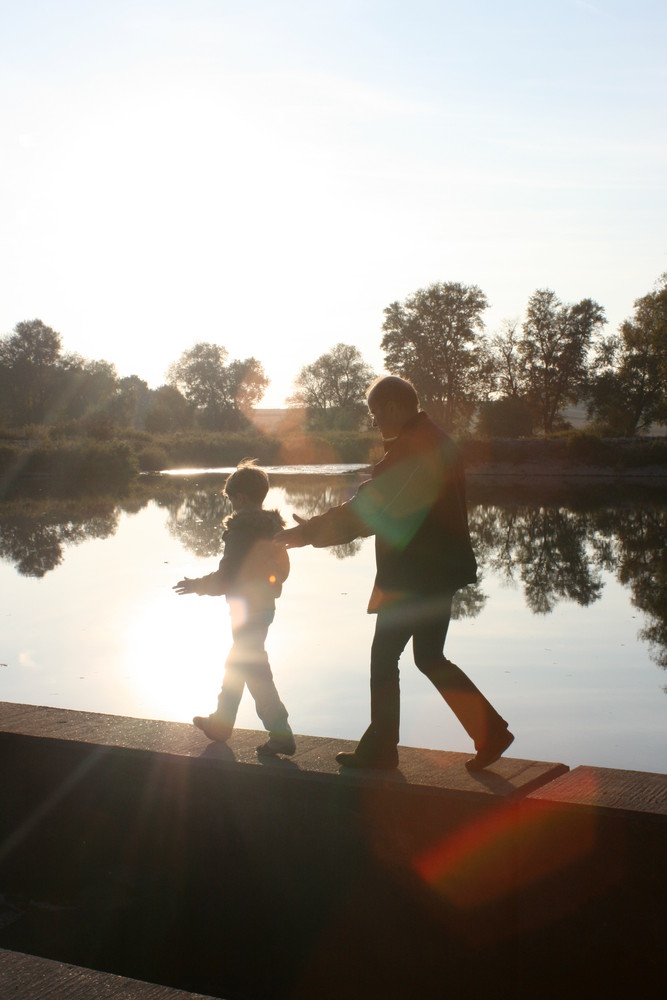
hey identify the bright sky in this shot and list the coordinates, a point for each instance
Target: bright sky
(270, 175)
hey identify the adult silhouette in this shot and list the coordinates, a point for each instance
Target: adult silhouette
(415, 506)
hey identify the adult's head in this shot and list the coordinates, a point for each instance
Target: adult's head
(392, 402)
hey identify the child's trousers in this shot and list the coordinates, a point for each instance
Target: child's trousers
(248, 663)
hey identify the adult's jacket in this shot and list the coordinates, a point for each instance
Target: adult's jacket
(415, 506)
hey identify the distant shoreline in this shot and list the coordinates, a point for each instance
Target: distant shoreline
(86, 465)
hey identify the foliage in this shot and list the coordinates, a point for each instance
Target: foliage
(217, 391)
(433, 339)
(81, 467)
(507, 417)
(577, 447)
(30, 362)
(508, 374)
(629, 383)
(131, 402)
(169, 411)
(39, 384)
(333, 389)
(200, 449)
(153, 458)
(546, 364)
(554, 347)
(247, 383)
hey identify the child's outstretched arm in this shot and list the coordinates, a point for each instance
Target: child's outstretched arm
(213, 585)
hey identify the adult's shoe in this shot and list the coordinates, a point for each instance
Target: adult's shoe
(387, 762)
(491, 751)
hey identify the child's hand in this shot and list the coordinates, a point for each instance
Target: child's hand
(185, 586)
(293, 538)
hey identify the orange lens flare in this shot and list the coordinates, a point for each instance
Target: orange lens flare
(500, 853)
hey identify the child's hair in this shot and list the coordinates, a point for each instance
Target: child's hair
(249, 480)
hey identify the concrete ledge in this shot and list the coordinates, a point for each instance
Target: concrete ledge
(315, 757)
(138, 849)
(606, 788)
(28, 977)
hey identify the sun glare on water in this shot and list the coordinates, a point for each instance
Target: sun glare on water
(175, 655)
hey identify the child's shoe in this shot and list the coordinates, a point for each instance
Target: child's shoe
(278, 744)
(213, 727)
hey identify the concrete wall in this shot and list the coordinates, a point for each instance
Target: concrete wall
(246, 881)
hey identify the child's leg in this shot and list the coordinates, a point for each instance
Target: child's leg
(231, 691)
(258, 677)
(219, 724)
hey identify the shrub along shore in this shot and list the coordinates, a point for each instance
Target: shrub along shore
(89, 465)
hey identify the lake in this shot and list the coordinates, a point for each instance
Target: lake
(565, 631)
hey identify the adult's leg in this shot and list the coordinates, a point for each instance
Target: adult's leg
(477, 715)
(392, 632)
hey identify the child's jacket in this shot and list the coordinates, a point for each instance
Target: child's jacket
(254, 566)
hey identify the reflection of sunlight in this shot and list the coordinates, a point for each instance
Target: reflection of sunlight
(176, 648)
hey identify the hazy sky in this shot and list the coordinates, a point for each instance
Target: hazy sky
(271, 175)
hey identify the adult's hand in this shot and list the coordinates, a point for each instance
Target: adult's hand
(294, 538)
(185, 586)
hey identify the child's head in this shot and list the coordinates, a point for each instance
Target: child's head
(248, 482)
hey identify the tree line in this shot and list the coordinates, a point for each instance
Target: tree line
(513, 383)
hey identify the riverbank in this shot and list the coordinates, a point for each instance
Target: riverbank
(84, 465)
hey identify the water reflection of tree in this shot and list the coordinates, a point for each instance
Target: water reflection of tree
(34, 537)
(197, 522)
(310, 499)
(468, 603)
(630, 542)
(546, 549)
(552, 552)
(559, 554)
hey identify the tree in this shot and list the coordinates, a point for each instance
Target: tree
(218, 391)
(200, 375)
(86, 387)
(508, 368)
(168, 411)
(629, 384)
(130, 402)
(40, 384)
(434, 340)
(29, 367)
(507, 417)
(33, 343)
(246, 384)
(554, 349)
(333, 388)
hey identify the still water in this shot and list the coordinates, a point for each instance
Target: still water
(565, 631)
